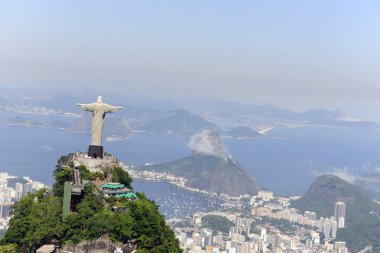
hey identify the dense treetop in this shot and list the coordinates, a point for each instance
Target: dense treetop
(37, 218)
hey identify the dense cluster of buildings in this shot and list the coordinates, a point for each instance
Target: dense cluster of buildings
(12, 189)
(311, 234)
(155, 176)
(260, 231)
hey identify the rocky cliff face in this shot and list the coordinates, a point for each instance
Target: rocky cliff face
(207, 142)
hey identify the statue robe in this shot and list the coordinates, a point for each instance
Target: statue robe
(99, 111)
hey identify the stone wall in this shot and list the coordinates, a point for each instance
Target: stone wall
(94, 164)
(101, 245)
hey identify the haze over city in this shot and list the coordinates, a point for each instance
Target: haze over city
(189, 126)
(294, 54)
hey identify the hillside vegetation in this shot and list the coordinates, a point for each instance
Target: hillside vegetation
(38, 219)
(362, 213)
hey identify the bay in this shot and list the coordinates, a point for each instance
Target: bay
(174, 202)
(285, 161)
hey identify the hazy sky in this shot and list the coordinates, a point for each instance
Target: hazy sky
(298, 54)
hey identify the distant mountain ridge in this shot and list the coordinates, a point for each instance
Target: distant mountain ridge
(179, 122)
(210, 173)
(270, 111)
(182, 118)
(267, 113)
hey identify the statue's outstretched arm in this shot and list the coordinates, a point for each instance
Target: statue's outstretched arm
(87, 107)
(111, 108)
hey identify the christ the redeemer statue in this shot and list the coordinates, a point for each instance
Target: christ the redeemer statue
(99, 110)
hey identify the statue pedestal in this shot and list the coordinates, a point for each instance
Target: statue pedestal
(95, 151)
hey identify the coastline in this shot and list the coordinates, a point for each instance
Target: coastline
(179, 182)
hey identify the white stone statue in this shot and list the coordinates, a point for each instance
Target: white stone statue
(99, 110)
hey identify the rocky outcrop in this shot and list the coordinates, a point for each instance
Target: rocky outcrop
(210, 173)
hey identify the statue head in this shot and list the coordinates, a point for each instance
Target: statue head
(100, 99)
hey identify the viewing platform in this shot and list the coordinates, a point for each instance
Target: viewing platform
(93, 164)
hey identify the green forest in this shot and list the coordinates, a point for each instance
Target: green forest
(38, 219)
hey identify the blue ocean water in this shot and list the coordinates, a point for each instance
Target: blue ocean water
(288, 164)
(173, 202)
(33, 151)
(285, 161)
